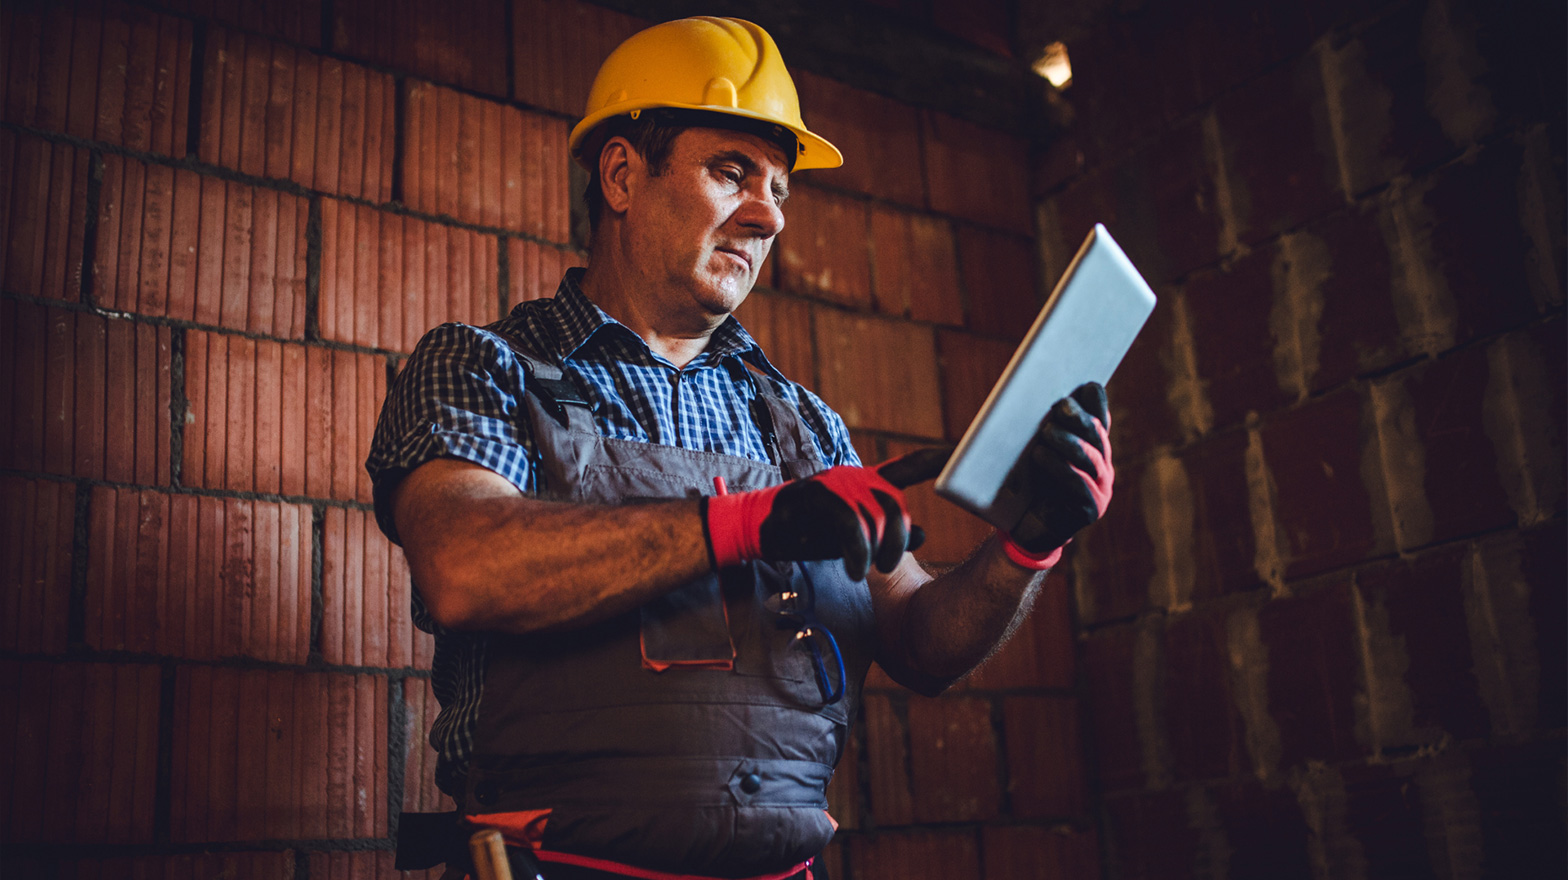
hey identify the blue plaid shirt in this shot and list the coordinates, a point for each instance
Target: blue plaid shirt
(460, 395)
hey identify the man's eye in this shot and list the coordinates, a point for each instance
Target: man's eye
(731, 173)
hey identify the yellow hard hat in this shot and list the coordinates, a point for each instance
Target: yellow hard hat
(714, 65)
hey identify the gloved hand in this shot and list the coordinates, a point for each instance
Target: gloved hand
(852, 513)
(1067, 469)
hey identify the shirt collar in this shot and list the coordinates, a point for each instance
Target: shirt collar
(575, 320)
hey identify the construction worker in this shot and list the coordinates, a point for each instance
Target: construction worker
(655, 568)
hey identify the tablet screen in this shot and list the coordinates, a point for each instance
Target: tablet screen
(1081, 335)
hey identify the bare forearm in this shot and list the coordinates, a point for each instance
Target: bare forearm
(952, 623)
(487, 557)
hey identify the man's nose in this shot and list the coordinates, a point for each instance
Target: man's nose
(761, 216)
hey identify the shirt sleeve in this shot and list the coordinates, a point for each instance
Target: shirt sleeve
(459, 395)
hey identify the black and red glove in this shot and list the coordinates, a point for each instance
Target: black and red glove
(1067, 469)
(856, 514)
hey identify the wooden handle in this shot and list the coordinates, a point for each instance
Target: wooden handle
(489, 855)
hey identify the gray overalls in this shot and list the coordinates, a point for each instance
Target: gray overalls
(717, 764)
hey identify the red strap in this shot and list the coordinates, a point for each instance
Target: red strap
(619, 869)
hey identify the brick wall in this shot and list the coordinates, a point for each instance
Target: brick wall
(1323, 624)
(222, 228)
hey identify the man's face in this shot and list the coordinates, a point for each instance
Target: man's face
(705, 225)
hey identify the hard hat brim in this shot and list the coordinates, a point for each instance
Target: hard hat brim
(812, 151)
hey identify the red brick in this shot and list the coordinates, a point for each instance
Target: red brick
(361, 865)
(1232, 329)
(1108, 662)
(534, 270)
(43, 212)
(887, 750)
(1448, 401)
(236, 865)
(823, 250)
(426, 38)
(1142, 413)
(147, 591)
(1267, 833)
(1113, 560)
(970, 367)
(37, 519)
(1025, 852)
(953, 760)
(1123, 69)
(358, 622)
(558, 46)
(1206, 734)
(90, 731)
(72, 374)
(844, 789)
(1426, 615)
(1041, 653)
(879, 138)
(1257, 38)
(1279, 166)
(128, 82)
(1358, 330)
(1541, 565)
(879, 374)
(925, 855)
(387, 278)
(1518, 798)
(1481, 244)
(782, 326)
(987, 23)
(1384, 121)
(976, 173)
(1326, 516)
(915, 267)
(1383, 812)
(1044, 757)
(1225, 557)
(952, 533)
(328, 406)
(445, 171)
(1314, 674)
(1001, 282)
(333, 723)
(419, 767)
(206, 250)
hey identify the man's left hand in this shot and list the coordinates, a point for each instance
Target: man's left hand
(1067, 469)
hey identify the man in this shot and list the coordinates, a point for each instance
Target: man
(656, 571)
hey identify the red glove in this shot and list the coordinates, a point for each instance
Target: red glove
(852, 513)
(1068, 468)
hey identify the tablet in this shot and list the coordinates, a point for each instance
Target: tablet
(1082, 333)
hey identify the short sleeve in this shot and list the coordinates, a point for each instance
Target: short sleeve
(459, 395)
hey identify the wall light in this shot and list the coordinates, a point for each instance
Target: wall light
(1054, 66)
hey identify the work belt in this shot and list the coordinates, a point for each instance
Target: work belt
(425, 840)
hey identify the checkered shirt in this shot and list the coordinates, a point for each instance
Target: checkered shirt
(460, 395)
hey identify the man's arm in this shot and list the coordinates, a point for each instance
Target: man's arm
(485, 556)
(933, 631)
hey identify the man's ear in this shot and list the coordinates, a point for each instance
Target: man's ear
(617, 161)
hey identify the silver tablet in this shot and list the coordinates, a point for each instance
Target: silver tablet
(1082, 333)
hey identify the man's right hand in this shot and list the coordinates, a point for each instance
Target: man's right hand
(852, 513)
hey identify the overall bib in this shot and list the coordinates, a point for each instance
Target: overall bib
(690, 735)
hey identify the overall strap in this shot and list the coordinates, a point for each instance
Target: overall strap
(791, 443)
(559, 396)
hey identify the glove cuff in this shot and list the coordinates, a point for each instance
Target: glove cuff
(733, 525)
(1024, 558)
